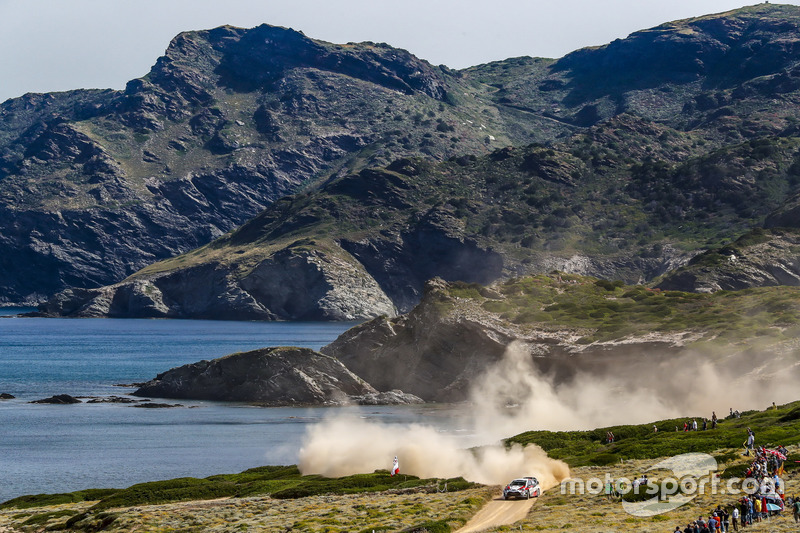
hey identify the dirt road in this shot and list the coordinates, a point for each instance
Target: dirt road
(498, 512)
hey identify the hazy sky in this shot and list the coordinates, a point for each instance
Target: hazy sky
(54, 45)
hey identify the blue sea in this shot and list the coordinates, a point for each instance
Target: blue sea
(61, 448)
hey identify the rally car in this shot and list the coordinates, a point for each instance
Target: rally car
(523, 487)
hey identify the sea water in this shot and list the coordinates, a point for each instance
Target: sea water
(60, 448)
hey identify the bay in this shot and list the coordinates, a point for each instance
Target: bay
(62, 448)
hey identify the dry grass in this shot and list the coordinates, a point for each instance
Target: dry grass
(348, 513)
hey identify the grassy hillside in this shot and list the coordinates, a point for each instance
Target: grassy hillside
(278, 482)
(610, 310)
(772, 427)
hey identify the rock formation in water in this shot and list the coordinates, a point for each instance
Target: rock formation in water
(270, 376)
(59, 399)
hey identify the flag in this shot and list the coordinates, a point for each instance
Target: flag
(776, 453)
(395, 467)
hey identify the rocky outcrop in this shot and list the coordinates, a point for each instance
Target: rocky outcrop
(59, 399)
(762, 258)
(392, 397)
(292, 284)
(6, 396)
(113, 399)
(271, 376)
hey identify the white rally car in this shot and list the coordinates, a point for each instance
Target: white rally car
(524, 487)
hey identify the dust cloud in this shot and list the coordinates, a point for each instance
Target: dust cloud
(345, 445)
(514, 396)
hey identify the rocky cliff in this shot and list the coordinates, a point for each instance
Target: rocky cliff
(293, 284)
(271, 376)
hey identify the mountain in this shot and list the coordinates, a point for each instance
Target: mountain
(363, 244)
(646, 151)
(97, 184)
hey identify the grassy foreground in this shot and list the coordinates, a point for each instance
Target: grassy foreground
(277, 482)
(279, 498)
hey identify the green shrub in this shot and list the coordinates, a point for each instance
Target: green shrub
(43, 518)
(42, 500)
(439, 526)
(604, 459)
(609, 285)
(735, 471)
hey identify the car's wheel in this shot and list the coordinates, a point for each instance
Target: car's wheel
(537, 493)
(527, 495)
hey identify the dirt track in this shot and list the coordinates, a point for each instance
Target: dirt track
(498, 512)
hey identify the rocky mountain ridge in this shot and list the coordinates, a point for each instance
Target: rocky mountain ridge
(363, 245)
(671, 124)
(97, 184)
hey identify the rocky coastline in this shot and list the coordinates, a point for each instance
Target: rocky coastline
(282, 376)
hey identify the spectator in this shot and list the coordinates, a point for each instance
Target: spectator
(796, 509)
(750, 442)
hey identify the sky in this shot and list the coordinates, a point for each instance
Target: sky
(57, 45)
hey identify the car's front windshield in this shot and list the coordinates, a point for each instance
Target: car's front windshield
(518, 482)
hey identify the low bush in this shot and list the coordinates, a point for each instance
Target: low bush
(439, 526)
(43, 518)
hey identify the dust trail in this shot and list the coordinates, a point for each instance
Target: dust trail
(514, 396)
(346, 445)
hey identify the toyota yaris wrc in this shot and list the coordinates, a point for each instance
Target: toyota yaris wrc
(525, 487)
